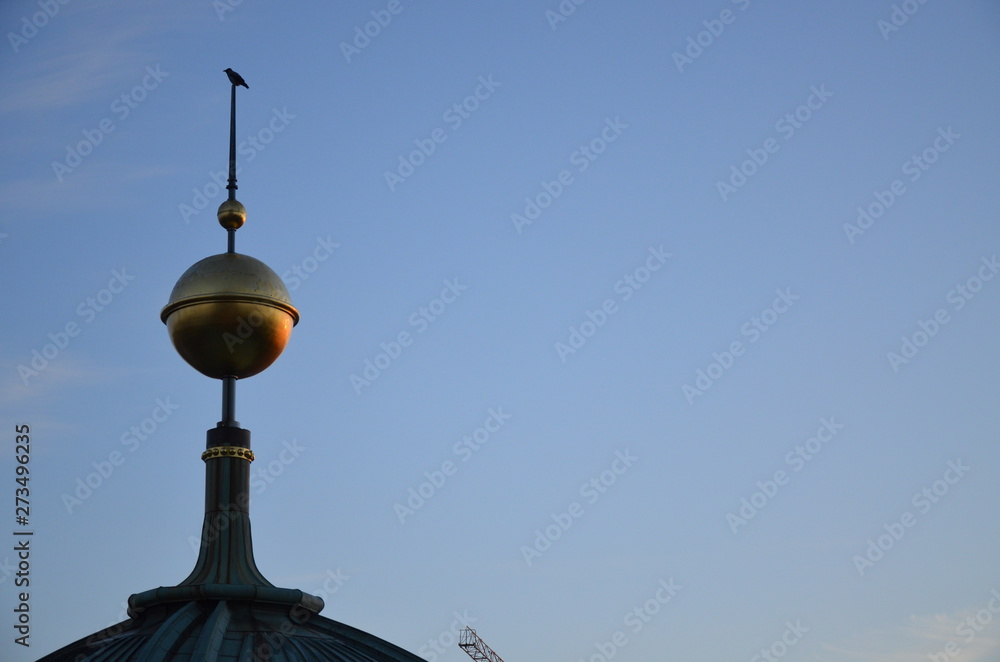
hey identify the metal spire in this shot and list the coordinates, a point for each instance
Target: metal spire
(236, 80)
(229, 382)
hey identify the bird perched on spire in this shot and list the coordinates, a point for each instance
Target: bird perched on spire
(235, 78)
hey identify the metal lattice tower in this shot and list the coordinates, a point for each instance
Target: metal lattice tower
(477, 649)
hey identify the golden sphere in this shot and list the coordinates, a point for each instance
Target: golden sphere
(229, 315)
(232, 214)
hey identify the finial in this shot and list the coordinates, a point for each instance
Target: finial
(232, 214)
(229, 315)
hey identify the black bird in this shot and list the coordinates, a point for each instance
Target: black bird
(235, 78)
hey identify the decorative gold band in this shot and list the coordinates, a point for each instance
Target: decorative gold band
(228, 451)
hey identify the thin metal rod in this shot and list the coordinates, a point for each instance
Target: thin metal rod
(232, 240)
(229, 402)
(232, 147)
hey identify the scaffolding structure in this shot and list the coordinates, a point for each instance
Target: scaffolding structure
(476, 648)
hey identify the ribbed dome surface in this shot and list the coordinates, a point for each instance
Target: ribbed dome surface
(229, 631)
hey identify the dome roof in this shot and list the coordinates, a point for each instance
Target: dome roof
(230, 630)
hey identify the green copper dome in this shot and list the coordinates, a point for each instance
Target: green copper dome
(230, 630)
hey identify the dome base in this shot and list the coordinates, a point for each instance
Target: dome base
(215, 630)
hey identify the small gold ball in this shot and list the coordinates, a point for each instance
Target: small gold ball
(232, 214)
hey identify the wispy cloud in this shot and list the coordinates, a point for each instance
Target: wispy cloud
(96, 187)
(82, 71)
(922, 636)
(58, 375)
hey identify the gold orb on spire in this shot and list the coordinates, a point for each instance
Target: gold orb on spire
(232, 214)
(229, 315)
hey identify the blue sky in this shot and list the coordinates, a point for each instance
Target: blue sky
(634, 237)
